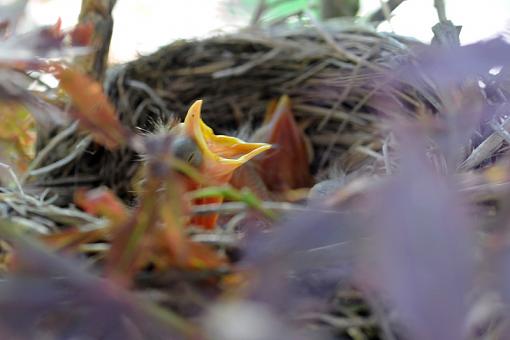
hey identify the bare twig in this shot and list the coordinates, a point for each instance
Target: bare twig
(229, 208)
(80, 147)
(487, 148)
(381, 316)
(382, 13)
(217, 240)
(445, 32)
(344, 53)
(13, 176)
(386, 156)
(339, 322)
(238, 70)
(441, 10)
(153, 95)
(43, 153)
(99, 14)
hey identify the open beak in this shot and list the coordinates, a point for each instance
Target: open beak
(220, 156)
(290, 157)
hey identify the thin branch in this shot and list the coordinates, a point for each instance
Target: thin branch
(82, 145)
(441, 10)
(381, 14)
(258, 13)
(239, 70)
(338, 322)
(41, 155)
(99, 14)
(14, 178)
(236, 207)
(487, 148)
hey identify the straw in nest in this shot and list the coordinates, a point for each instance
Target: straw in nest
(331, 73)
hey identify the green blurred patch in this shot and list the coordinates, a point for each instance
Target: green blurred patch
(280, 9)
(17, 136)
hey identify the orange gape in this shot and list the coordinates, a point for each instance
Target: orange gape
(206, 221)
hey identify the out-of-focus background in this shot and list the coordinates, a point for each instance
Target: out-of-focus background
(142, 26)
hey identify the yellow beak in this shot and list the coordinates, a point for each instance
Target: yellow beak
(221, 154)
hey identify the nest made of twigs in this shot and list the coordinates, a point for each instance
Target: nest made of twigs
(331, 74)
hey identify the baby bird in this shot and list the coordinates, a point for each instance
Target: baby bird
(216, 157)
(279, 156)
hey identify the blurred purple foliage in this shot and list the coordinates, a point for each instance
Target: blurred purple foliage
(22, 53)
(468, 95)
(10, 14)
(317, 247)
(50, 296)
(447, 67)
(34, 45)
(412, 239)
(422, 250)
(14, 87)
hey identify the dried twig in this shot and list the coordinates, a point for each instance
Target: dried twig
(13, 176)
(488, 147)
(441, 10)
(382, 13)
(80, 147)
(99, 14)
(52, 144)
(230, 208)
(338, 322)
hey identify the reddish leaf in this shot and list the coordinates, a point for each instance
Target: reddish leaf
(3, 27)
(102, 202)
(197, 256)
(81, 35)
(94, 111)
(126, 256)
(55, 31)
(154, 234)
(70, 239)
(44, 42)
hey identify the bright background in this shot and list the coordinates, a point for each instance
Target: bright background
(141, 26)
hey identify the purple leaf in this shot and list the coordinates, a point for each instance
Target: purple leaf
(49, 294)
(421, 254)
(14, 87)
(301, 262)
(446, 67)
(45, 42)
(11, 13)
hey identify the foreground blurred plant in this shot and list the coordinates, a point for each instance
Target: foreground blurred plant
(53, 282)
(428, 244)
(20, 55)
(48, 296)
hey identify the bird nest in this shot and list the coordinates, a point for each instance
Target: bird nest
(331, 73)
